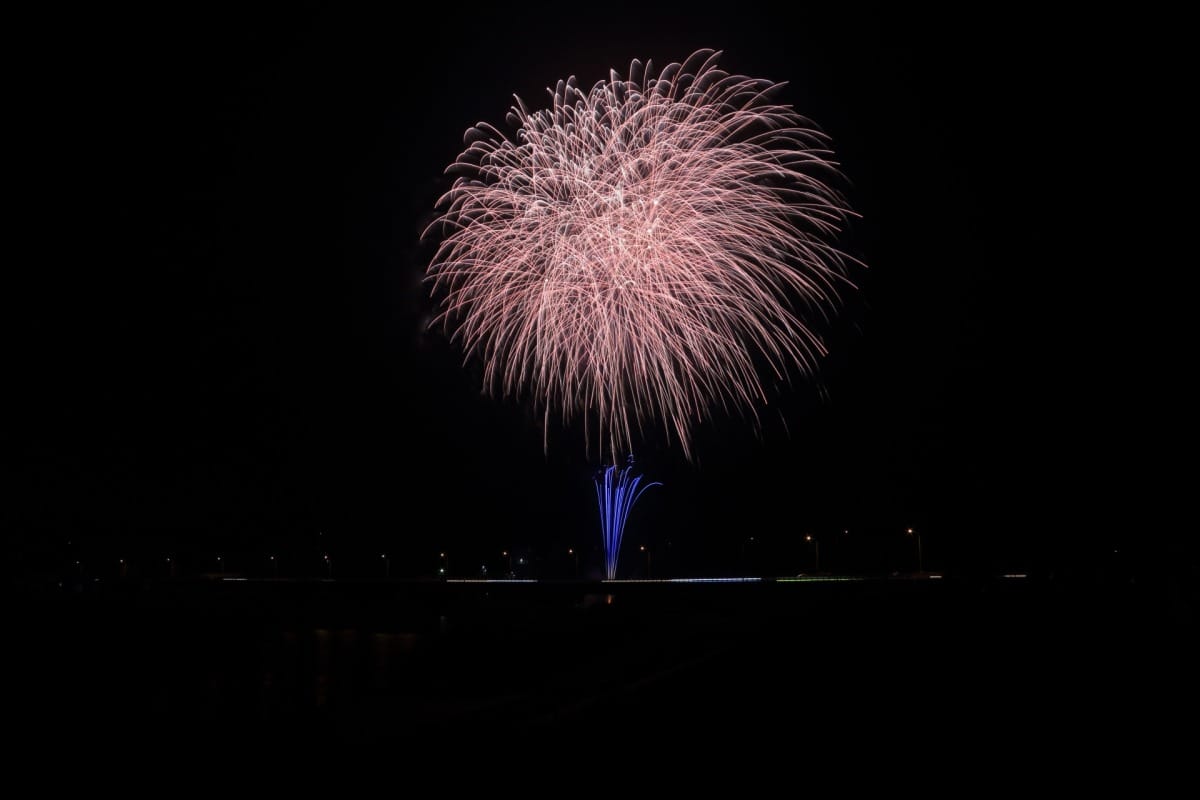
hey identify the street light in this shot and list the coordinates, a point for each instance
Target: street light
(387, 566)
(816, 551)
(647, 552)
(571, 552)
(508, 558)
(328, 566)
(920, 561)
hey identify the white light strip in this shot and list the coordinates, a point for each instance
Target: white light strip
(682, 580)
(634, 580)
(838, 579)
(715, 580)
(491, 580)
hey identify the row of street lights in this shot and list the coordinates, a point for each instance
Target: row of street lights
(816, 543)
(443, 564)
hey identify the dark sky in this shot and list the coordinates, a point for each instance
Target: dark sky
(234, 348)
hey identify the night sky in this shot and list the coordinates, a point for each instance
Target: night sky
(235, 355)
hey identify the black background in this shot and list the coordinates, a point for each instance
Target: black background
(228, 346)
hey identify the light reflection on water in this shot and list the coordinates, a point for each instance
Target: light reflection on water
(323, 668)
(280, 667)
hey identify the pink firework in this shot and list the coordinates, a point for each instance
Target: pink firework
(651, 249)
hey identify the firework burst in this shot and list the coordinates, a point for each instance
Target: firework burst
(616, 492)
(653, 248)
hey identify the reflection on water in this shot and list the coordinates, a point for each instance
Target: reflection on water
(321, 668)
(291, 667)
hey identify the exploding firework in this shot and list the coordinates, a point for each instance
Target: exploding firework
(616, 492)
(653, 248)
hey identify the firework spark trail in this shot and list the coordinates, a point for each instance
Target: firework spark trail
(616, 492)
(649, 249)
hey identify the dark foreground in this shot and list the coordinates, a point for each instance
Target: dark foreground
(467, 666)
